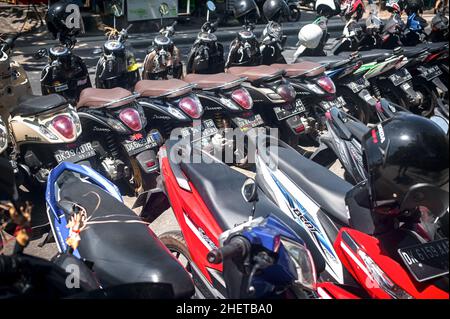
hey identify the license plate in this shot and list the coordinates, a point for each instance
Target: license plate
(208, 128)
(431, 73)
(400, 77)
(248, 123)
(286, 111)
(339, 102)
(136, 143)
(426, 261)
(358, 85)
(406, 86)
(76, 154)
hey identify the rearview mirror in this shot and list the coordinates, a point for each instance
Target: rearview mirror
(164, 9)
(249, 190)
(117, 8)
(211, 6)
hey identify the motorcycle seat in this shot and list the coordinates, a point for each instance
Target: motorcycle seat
(322, 186)
(99, 98)
(324, 60)
(30, 105)
(162, 88)
(411, 52)
(301, 69)
(259, 73)
(123, 250)
(214, 81)
(370, 56)
(433, 47)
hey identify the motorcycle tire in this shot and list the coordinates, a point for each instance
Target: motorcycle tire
(175, 242)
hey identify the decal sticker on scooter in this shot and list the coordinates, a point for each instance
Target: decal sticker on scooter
(200, 233)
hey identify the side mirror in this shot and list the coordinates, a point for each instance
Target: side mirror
(211, 6)
(164, 9)
(117, 8)
(249, 191)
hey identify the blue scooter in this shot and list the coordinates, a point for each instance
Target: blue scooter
(89, 220)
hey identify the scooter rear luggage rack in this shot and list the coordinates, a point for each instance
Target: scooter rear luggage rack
(228, 85)
(131, 98)
(176, 92)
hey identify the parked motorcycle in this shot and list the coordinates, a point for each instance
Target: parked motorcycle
(274, 96)
(125, 148)
(229, 104)
(117, 67)
(45, 131)
(65, 74)
(163, 59)
(206, 55)
(226, 228)
(13, 78)
(327, 207)
(90, 222)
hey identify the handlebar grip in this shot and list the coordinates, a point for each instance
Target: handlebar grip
(174, 24)
(238, 246)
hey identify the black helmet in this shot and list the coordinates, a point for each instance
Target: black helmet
(407, 161)
(274, 10)
(413, 6)
(246, 10)
(58, 15)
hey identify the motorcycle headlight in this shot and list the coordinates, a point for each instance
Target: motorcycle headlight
(304, 264)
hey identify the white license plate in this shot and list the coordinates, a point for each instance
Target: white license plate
(339, 102)
(208, 128)
(400, 77)
(431, 73)
(76, 154)
(248, 123)
(137, 143)
(287, 111)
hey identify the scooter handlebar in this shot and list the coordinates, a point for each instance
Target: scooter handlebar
(238, 246)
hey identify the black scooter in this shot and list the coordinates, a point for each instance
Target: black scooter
(66, 73)
(125, 147)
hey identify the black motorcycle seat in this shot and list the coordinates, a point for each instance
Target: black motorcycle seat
(370, 56)
(411, 52)
(122, 248)
(324, 60)
(324, 187)
(219, 186)
(433, 46)
(30, 105)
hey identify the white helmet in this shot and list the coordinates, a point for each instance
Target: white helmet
(328, 8)
(309, 37)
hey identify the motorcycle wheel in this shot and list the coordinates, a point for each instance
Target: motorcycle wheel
(429, 101)
(355, 110)
(174, 241)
